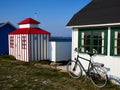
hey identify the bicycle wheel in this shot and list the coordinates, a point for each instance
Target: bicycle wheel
(74, 69)
(98, 76)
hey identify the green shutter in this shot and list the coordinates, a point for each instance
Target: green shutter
(79, 39)
(105, 41)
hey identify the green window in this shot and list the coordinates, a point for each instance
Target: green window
(93, 40)
(115, 41)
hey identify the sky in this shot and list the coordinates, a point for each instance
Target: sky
(53, 15)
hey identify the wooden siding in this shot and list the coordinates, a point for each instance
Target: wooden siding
(38, 46)
(17, 50)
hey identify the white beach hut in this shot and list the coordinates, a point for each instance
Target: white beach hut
(28, 42)
(60, 49)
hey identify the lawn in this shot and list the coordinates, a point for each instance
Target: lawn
(17, 75)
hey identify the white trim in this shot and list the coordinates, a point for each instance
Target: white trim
(115, 43)
(74, 42)
(94, 25)
(103, 44)
(28, 26)
(116, 35)
(108, 43)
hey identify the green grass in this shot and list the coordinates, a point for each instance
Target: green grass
(17, 75)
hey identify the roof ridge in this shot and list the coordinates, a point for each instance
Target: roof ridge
(29, 21)
(3, 24)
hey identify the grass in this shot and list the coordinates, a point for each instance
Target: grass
(17, 75)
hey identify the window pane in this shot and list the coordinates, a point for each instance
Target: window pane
(24, 42)
(93, 40)
(87, 41)
(116, 43)
(97, 42)
(11, 41)
(118, 51)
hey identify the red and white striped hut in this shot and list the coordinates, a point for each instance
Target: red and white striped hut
(28, 42)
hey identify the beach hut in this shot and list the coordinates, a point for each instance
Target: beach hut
(5, 28)
(29, 42)
(60, 49)
(97, 26)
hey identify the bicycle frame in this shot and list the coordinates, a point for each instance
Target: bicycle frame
(89, 65)
(95, 70)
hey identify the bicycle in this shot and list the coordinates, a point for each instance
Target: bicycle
(95, 70)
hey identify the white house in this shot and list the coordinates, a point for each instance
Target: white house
(97, 26)
(59, 49)
(29, 42)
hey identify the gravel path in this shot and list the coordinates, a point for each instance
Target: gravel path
(62, 68)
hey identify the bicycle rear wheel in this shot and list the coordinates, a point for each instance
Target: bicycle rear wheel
(98, 76)
(74, 69)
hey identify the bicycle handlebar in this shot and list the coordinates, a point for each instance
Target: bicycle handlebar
(76, 49)
(89, 53)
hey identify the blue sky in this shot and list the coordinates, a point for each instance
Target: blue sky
(53, 14)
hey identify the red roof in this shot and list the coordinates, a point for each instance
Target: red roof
(29, 31)
(29, 20)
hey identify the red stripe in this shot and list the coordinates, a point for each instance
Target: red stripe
(29, 31)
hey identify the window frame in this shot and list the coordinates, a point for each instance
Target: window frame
(112, 45)
(24, 42)
(11, 41)
(92, 30)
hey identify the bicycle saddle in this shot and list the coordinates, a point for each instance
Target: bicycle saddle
(91, 54)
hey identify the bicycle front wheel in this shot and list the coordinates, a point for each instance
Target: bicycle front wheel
(98, 76)
(74, 69)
